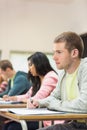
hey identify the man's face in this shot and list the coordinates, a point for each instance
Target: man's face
(62, 56)
(4, 73)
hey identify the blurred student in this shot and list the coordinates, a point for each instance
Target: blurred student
(18, 82)
(43, 78)
(3, 83)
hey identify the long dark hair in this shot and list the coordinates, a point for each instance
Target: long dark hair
(42, 66)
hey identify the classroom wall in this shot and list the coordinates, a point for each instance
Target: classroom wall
(32, 25)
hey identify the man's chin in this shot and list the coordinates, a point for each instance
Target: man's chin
(59, 68)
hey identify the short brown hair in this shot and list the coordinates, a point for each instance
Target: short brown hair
(72, 41)
(4, 64)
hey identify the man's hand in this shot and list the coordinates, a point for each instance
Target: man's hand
(9, 98)
(31, 103)
(6, 97)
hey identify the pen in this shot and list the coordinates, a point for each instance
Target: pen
(31, 100)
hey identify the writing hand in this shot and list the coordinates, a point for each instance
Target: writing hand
(31, 103)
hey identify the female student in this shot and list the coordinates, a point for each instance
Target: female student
(43, 79)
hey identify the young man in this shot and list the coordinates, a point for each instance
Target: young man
(70, 95)
(18, 82)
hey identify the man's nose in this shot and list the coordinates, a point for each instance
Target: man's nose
(54, 56)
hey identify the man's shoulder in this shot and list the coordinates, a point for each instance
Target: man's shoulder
(83, 63)
(82, 68)
(84, 60)
(21, 74)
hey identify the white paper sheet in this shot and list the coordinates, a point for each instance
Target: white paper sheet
(5, 102)
(10, 102)
(25, 111)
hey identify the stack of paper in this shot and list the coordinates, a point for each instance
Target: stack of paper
(5, 102)
(26, 111)
(10, 102)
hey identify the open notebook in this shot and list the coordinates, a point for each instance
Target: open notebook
(26, 111)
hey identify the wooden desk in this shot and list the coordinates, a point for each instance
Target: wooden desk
(23, 118)
(13, 105)
(10, 106)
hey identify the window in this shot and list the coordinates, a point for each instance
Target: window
(19, 60)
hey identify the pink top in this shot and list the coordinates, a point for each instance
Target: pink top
(48, 84)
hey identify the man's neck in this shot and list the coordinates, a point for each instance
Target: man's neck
(73, 67)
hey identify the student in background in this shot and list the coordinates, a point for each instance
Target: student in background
(43, 78)
(18, 82)
(70, 95)
(3, 83)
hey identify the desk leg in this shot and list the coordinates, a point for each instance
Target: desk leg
(23, 125)
(40, 124)
(52, 122)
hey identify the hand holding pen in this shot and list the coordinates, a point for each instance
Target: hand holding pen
(31, 103)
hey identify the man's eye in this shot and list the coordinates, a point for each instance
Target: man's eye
(59, 52)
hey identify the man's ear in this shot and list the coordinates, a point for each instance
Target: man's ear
(75, 53)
